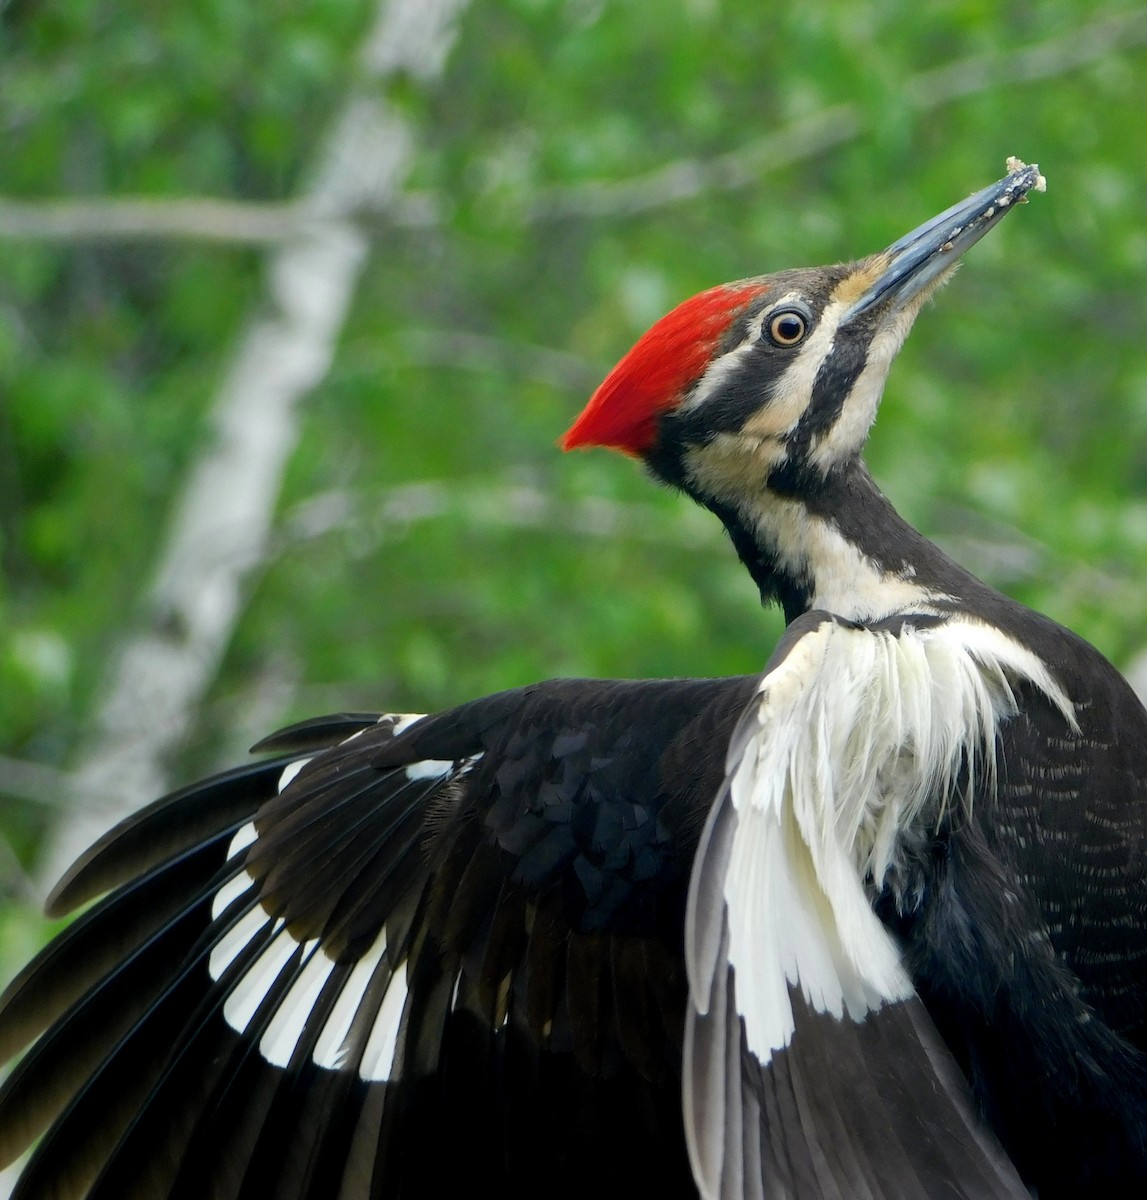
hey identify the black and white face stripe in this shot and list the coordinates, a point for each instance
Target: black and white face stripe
(772, 441)
(750, 370)
(787, 413)
(835, 377)
(865, 375)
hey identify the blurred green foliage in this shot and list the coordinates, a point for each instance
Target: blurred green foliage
(469, 555)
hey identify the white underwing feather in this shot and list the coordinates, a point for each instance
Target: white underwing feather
(378, 1059)
(333, 1043)
(430, 768)
(373, 1042)
(402, 721)
(290, 771)
(258, 978)
(244, 931)
(706, 1058)
(857, 735)
(705, 927)
(282, 1035)
(264, 969)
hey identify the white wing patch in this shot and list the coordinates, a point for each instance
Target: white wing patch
(855, 736)
(402, 721)
(300, 973)
(332, 1047)
(241, 934)
(292, 769)
(277, 1045)
(228, 948)
(378, 1058)
(429, 768)
(279, 1040)
(258, 979)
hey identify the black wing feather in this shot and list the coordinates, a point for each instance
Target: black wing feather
(1028, 941)
(529, 882)
(160, 831)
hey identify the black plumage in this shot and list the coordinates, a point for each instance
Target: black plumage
(870, 924)
(535, 896)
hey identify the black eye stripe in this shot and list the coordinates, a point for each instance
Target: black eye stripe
(831, 388)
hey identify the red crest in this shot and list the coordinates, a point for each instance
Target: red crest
(654, 376)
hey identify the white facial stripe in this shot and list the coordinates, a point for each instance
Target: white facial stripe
(718, 371)
(805, 546)
(847, 582)
(848, 432)
(766, 430)
(721, 369)
(794, 390)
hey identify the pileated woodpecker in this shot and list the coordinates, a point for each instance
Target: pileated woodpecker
(878, 914)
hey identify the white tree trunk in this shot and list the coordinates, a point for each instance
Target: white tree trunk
(224, 510)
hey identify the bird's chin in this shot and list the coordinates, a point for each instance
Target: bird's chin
(731, 463)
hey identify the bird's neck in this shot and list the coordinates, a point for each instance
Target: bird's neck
(841, 547)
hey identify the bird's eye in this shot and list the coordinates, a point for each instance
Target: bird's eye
(787, 328)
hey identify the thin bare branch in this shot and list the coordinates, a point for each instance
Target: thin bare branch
(392, 513)
(190, 218)
(138, 218)
(689, 177)
(1058, 56)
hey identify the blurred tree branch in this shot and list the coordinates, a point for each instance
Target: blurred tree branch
(189, 218)
(256, 223)
(817, 132)
(461, 350)
(23, 779)
(223, 511)
(389, 514)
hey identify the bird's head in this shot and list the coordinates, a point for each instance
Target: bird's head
(775, 381)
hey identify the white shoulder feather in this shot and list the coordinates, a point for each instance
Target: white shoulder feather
(856, 734)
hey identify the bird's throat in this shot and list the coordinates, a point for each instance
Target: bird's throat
(848, 553)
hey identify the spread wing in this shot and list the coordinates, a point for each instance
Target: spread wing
(400, 956)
